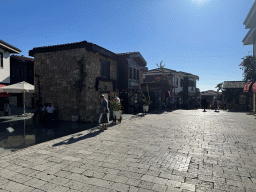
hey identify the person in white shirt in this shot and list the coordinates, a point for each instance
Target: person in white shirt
(50, 110)
(117, 98)
(44, 107)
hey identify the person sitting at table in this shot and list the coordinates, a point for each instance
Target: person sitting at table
(50, 110)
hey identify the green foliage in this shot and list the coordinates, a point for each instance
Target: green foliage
(249, 68)
(113, 103)
(146, 100)
(160, 65)
(164, 78)
(79, 84)
(220, 87)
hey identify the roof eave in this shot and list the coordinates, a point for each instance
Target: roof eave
(249, 37)
(250, 16)
(10, 49)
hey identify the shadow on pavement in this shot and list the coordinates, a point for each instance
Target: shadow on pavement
(74, 140)
(1, 120)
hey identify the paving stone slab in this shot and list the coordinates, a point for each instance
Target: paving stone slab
(204, 151)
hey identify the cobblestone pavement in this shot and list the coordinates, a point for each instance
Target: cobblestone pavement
(175, 151)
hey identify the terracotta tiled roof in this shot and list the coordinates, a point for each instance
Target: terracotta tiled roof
(22, 58)
(83, 44)
(9, 47)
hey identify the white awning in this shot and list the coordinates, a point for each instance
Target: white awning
(18, 88)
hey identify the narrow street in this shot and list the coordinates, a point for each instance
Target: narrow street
(175, 151)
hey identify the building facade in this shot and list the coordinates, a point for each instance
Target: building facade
(183, 86)
(249, 39)
(5, 50)
(58, 69)
(209, 95)
(22, 69)
(235, 97)
(131, 67)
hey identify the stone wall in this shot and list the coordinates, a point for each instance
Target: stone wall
(58, 72)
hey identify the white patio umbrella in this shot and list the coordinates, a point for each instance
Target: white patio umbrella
(21, 87)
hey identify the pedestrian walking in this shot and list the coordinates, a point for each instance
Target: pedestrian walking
(215, 104)
(104, 116)
(225, 104)
(204, 104)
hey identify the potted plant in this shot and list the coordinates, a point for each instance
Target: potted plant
(146, 100)
(115, 106)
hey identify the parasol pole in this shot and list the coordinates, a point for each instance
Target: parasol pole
(24, 102)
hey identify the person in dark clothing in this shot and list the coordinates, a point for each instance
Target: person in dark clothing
(215, 105)
(105, 110)
(204, 104)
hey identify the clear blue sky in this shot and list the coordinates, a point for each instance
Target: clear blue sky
(202, 37)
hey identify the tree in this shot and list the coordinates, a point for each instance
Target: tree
(164, 78)
(160, 65)
(220, 87)
(249, 68)
(79, 84)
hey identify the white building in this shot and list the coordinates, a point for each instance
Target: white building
(250, 37)
(185, 83)
(5, 51)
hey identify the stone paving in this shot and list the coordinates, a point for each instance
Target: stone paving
(175, 151)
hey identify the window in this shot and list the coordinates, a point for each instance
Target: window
(130, 72)
(177, 82)
(138, 74)
(134, 74)
(181, 82)
(191, 83)
(105, 69)
(1, 60)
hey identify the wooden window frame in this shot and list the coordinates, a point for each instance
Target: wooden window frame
(105, 69)
(130, 73)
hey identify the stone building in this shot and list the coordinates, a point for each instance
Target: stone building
(57, 69)
(236, 98)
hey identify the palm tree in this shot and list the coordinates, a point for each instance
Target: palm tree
(220, 87)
